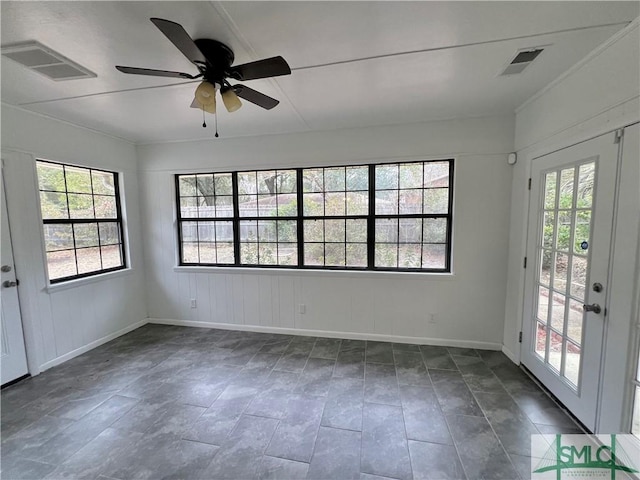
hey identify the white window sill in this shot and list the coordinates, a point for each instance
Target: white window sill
(315, 272)
(78, 282)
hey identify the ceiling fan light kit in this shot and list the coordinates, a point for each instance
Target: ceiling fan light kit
(230, 99)
(214, 62)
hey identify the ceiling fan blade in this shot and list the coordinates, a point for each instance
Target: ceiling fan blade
(155, 73)
(256, 97)
(181, 39)
(269, 67)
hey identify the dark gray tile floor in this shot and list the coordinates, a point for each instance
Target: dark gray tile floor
(178, 402)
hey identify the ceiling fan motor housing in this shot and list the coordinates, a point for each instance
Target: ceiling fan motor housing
(224, 59)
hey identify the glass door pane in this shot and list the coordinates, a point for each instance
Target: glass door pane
(563, 267)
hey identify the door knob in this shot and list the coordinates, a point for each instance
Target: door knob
(595, 308)
(5, 268)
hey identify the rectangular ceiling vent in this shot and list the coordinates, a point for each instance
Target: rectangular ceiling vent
(522, 60)
(45, 61)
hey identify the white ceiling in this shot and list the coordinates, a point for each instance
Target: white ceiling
(354, 63)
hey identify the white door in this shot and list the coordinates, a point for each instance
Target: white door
(568, 248)
(14, 360)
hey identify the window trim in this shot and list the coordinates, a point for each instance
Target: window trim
(300, 217)
(118, 220)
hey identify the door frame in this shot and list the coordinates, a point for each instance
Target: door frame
(556, 142)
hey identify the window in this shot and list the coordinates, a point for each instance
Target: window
(358, 217)
(82, 220)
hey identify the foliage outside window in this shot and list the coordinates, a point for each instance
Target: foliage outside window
(376, 217)
(82, 220)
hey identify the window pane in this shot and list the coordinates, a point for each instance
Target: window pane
(436, 200)
(224, 206)
(572, 363)
(78, 180)
(356, 254)
(334, 231)
(581, 238)
(287, 231)
(335, 203)
(111, 256)
(103, 183)
(386, 177)
(86, 235)
(105, 206)
(357, 203)
(313, 204)
(267, 182)
(314, 230)
(109, 233)
(387, 202)
(189, 207)
(249, 253)
(204, 185)
(356, 230)
(386, 255)
(541, 340)
(409, 256)
(61, 264)
(410, 201)
(635, 423)
(357, 178)
(187, 184)
(287, 205)
(223, 184)
(80, 205)
(208, 252)
(248, 205)
(411, 175)
(58, 237)
(550, 190)
(247, 183)
(335, 254)
(436, 174)
(566, 188)
(410, 230)
(434, 230)
(314, 254)
(585, 185)
(434, 256)
(313, 180)
(267, 253)
(53, 205)
(334, 179)
(50, 177)
(387, 230)
(249, 231)
(190, 252)
(88, 260)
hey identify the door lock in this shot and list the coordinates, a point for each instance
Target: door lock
(594, 307)
(597, 287)
(9, 284)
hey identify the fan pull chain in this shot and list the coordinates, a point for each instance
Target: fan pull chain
(216, 116)
(204, 123)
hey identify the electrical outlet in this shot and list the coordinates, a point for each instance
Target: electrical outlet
(432, 318)
(194, 304)
(302, 308)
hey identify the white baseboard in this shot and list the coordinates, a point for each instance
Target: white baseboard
(332, 334)
(91, 346)
(512, 356)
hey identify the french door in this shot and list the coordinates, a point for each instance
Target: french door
(13, 359)
(568, 250)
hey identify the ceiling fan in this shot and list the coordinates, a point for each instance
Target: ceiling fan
(214, 61)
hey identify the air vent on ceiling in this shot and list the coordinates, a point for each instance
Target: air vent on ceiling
(522, 60)
(45, 61)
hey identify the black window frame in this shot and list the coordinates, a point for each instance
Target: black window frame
(370, 218)
(118, 221)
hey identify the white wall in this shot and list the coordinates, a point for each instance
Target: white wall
(469, 304)
(64, 322)
(598, 95)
